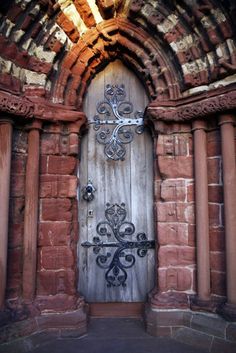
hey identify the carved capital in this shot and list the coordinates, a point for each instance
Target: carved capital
(199, 125)
(227, 119)
(5, 120)
(35, 125)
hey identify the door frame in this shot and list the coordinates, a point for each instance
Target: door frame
(126, 309)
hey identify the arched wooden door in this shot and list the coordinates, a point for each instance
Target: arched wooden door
(116, 236)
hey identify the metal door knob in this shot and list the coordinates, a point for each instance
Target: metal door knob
(88, 191)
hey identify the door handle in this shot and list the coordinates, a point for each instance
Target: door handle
(88, 191)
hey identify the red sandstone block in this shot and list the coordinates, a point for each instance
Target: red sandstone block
(61, 165)
(165, 145)
(175, 212)
(214, 215)
(187, 255)
(36, 29)
(26, 22)
(58, 186)
(14, 12)
(20, 142)
(218, 283)
(173, 256)
(13, 289)
(167, 256)
(18, 163)
(175, 279)
(14, 263)
(157, 189)
(214, 171)
(191, 235)
(10, 82)
(16, 210)
(50, 144)
(56, 210)
(10, 51)
(217, 261)
(217, 239)
(173, 190)
(17, 185)
(213, 35)
(56, 303)
(172, 234)
(22, 59)
(215, 193)
(55, 282)
(66, 24)
(54, 233)
(15, 238)
(181, 144)
(213, 143)
(43, 163)
(166, 212)
(190, 192)
(73, 144)
(56, 258)
(175, 167)
(39, 66)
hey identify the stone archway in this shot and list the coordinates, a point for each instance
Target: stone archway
(186, 58)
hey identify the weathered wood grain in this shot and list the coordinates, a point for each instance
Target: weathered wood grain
(129, 181)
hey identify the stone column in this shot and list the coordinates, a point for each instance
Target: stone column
(226, 123)
(31, 212)
(5, 170)
(202, 214)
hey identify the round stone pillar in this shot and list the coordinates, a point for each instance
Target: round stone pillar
(226, 122)
(202, 214)
(31, 212)
(5, 170)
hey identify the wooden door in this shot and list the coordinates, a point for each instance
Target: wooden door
(116, 237)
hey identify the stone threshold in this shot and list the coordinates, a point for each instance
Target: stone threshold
(203, 330)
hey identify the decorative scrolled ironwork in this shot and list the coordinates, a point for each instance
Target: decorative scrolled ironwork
(117, 107)
(116, 225)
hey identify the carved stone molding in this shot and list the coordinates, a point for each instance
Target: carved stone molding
(39, 108)
(191, 108)
(16, 105)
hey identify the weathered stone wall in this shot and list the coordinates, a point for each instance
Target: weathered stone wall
(175, 210)
(58, 219)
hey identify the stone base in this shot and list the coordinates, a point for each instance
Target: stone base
(170, 300)
(211, 306)
(203, 330)
(228, 311)
(55, 325)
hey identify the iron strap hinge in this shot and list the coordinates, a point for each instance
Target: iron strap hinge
(117, 226)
